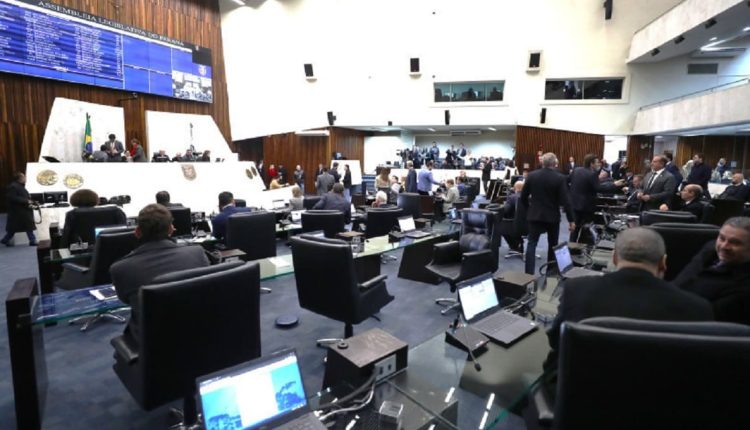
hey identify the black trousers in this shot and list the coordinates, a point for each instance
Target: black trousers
(536, 229)
(581, 218)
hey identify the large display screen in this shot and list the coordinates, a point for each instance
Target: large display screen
(43, 39)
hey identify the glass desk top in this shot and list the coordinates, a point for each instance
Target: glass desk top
(65, 305)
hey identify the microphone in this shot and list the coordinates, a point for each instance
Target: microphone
(456, 322)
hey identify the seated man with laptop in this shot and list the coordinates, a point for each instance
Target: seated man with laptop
(635, 290)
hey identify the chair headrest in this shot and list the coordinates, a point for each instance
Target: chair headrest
(198, 271)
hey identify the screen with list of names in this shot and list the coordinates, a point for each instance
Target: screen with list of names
(46, 40)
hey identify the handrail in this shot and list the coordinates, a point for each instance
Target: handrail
(693, 94)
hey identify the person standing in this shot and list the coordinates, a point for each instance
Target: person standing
(114, 147)
(544, 192)
(20, 215)
(674, 170)
(324, 182)
(700, 174)
(411, 178)
(486, 173)
(659, 185)
(425, 181)
(299, 178)
(136, 151)
(584, 185)
(450, 197)
(334, 171)
(347, 181)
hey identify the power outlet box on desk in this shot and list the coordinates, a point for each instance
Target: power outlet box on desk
(357, 363)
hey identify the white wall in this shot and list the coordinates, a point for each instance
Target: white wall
(360, 52)
(175, 132)
(612, 147)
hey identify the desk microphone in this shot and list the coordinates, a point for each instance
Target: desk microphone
(456, 322)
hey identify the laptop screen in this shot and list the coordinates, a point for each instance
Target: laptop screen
(109, 228)
(563, 258)
(406, 223)
(252, 395)
(477, 297)
(297, 215)
(278, 204)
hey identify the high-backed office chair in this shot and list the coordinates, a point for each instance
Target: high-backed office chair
(194, 322)
(254, 233)
(724, 209)
(617, 373)
(359, 199)
(513, 230)
(81, 222)
(427, 206)
(380, 221)
(470, 256)
(181, 220)
(411, 204)
(683, 242)
(654, 216)
(330, 221)
(310, 201)
(327, 283)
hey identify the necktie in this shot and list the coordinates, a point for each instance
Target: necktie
(651, 181)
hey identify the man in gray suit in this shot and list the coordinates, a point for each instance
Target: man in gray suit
(335, 200)
(155, 256)
(658, 186)
(324, 182)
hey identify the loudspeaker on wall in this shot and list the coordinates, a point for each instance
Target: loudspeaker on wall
(414, 65)
(543, 116)
(331, 118)
(535, 61)
(309, 70)
(447, 117)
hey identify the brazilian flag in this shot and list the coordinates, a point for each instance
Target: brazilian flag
(87, 147)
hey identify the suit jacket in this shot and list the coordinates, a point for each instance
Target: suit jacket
(116, 145)
(324, 183)
(337, 202)
(695, 207)
(629, 293)
(736, 192)
(145, 263)
(700, 174)
(725, 286)
(509, 208)
(544, 191)
(20, 215)
(411, 181)
(675, 171)
(661, 191)
(219, 222)
(584, 185)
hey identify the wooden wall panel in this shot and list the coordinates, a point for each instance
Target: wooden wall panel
(289, 149)
(530, 140)
(732, 148)
(350, 143)
(26, 102)
(639, 152)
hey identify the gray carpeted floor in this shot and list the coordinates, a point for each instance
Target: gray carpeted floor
(84, 392)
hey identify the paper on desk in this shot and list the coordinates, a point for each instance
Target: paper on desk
(279, 262)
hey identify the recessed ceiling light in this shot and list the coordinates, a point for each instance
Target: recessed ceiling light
(239, 2)
(431, 129)
(746, 29)
(655, 52)
(712, 39)
(679, 39)
(491, 129)
(710, 23)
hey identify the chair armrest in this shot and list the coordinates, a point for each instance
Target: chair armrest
(124, 350)
(372, 282)
(476, 254)
(545, 414)
(475, 263)
(447, 252)
(76, 267)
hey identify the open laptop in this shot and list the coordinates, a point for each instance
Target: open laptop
(565, 264)
(278, 204)
(481, 310)
(266, 393)
(409, 229)
(297, 216)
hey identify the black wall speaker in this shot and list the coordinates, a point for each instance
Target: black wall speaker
(414, 65)
(447, 117)
(535, 60)
(390, 123)
(543, 116)
(331, 118)
(608, 5)
(309, 70)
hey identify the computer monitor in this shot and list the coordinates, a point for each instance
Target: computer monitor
(477, 296)
(55, 197)
(406, 223)
(37, 197)
(182, 221)
(278, 204)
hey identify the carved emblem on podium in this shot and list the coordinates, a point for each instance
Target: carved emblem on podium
(73, 181)
(46, 177)
(188, 171)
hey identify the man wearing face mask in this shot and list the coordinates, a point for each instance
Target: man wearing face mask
(635, 290)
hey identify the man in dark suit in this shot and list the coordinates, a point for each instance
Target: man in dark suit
(20, 216)
(737, 190)
(690, 201)
(584, 184)
(115, 148)
(411, 178)
(570, 165)
(515, 242)
(659, 185)
(335, 200)
(700, 174)
(720, 273)
(632, 204)
(634, 290)
(163, 198)
(544, 191)
(674, 170)
(227, 209)
(155, 256)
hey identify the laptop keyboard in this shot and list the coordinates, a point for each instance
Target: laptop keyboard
(495, 322)
(306, 422)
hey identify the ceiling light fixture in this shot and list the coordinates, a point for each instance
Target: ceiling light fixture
(239, 2)
(710, 23)
(491, 129)
(655, 52)
(679, 39)
(746, 29)
(431, 129)
(712, 39)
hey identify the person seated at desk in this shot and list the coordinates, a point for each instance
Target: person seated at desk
(163, 198)
(160, 157)
(633, 204)
(100, 155)
(206, 157)
(609, 186)
(335, 200)
(156, 255)
(177, 157)
(275, 183)
(635, 290)
(450, 196)
(720, 273)
(737, 190)
(297, 200)
(226, 208)
(515, 242)
(461, 186)
(690, 201)
(381, 200)
(188, 157)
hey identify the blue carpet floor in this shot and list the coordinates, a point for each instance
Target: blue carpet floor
(84, 392)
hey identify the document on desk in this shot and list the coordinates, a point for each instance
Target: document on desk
(106, 293)
(279, 262)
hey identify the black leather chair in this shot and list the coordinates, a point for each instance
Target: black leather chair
(411, 204)
(330, 221)
(723, 210)
(254, 233)
(310, 201)
(683, 242)
(427, 206)
(240, 203)
(327, 283)
(513, 230)
(81, 222)
(181, 220)
(654, 216)
(380, 221)
(617, 373)
(470, 256)
(194, 322)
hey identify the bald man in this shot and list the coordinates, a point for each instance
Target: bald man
(690, 201)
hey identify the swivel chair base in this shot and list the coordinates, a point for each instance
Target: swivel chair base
(265, 290)
(187, 418)
(449, 304)
(88, 320)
